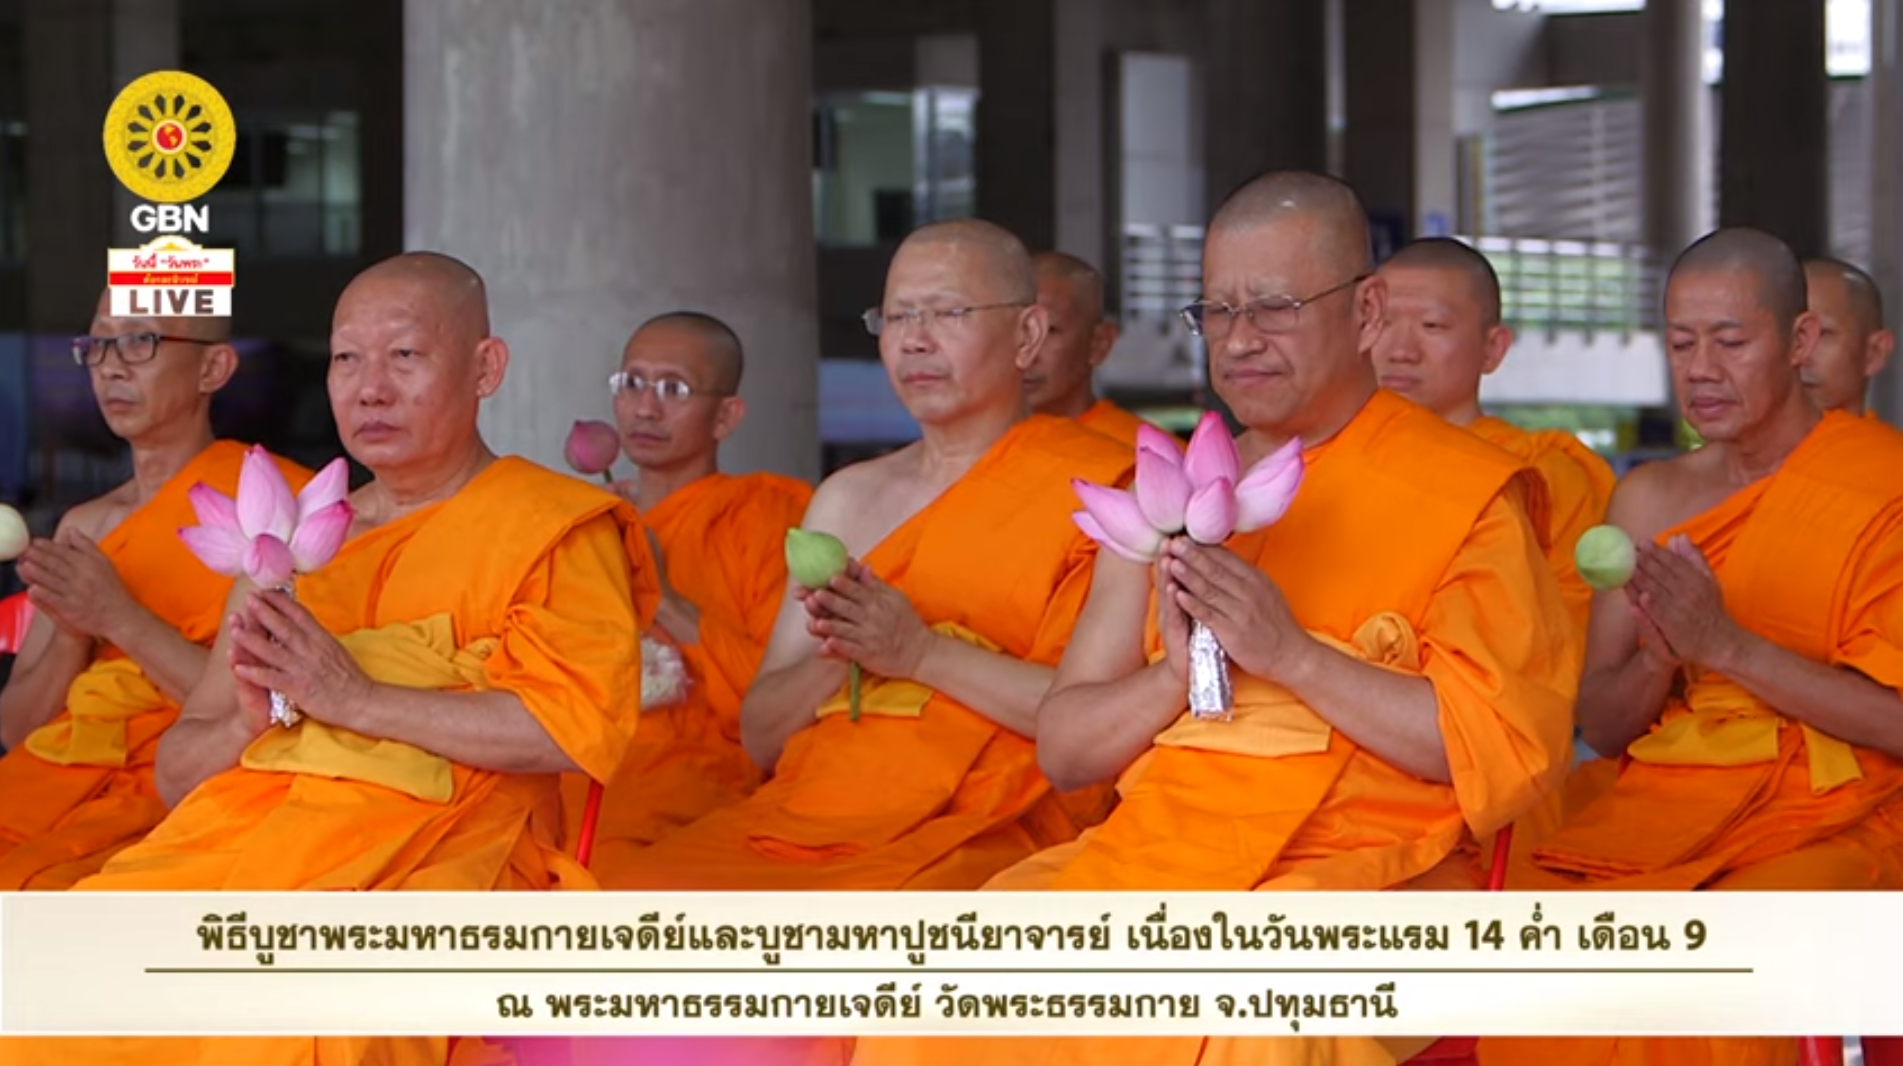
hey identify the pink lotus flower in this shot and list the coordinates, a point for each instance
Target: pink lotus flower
(267, 534)
(1202, 491)
(592, 448)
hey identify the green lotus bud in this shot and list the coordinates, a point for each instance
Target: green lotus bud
(13, 534)
(814, 559)
(1605, 557)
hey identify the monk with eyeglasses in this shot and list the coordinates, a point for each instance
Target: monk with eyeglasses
(124, 614)
(718, 542)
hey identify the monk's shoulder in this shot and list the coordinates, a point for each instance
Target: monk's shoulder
(1067, 444)
(1859, 453)
(1657, 495)
(774, 492)
(1418, 439)
(100, 515)
(857, 485)
(1569, 466)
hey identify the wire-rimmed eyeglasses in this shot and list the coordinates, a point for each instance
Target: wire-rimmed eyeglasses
(1271, 314)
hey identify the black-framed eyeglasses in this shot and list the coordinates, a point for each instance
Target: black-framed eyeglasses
(667, 389)
(877, 320)
(1214, 319)
(133, 348)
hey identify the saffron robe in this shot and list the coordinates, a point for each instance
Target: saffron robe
(1113, 422)
(1724, 792)
(931, 794)
(522, 582)
(81, 787)
(1277, 800)
(723, 539)
(1578, 487)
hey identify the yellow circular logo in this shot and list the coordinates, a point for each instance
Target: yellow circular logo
(169, 137)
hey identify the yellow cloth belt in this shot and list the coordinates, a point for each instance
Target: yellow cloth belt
(1721, 724)
(1270, 721)
(100, 702)
(893, 698)
(420, 655)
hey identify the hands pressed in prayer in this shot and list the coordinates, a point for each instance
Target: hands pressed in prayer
(277, 645)
(1240, 605)
(859, 618)
(74, 583)
(1172, 623)
(1679, 607)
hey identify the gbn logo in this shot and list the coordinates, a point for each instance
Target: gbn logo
(171, 218)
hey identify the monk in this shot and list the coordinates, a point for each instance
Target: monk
(719, 540)
(1076, 343)
(1403, 666)
(967, 573)
(1746, 669)
(1852, 344)
(125, 614)
(474, 638)
(1442, 334)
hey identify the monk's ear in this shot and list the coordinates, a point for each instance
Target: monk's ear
(219, 365)
(1876, 352)
(1499, 342)
(1805, 330)
(1102, 340)
(1034, 324)
(727, 417)
(1371, 309)
(492, 364)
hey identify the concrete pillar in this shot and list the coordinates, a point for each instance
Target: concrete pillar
(602, 161)
(1774, 141)
(1886, 178)
(1017, 114)
(1677, 121)
(79, 54)
(1265, 90)
(1398, 149)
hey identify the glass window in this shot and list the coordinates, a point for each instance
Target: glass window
(12, 192)
(294, 189)
(888, 162)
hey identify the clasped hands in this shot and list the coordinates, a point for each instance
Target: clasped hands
(1675, 599)
(861, 619)
(278, 645)
(1240, 605)
(73, 583)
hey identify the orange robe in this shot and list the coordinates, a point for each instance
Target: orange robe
(1276, 800)
(1810, 558)
(1113, 422)
(1578, 487)
(526, 575)
(943, 798)
(81, 787)
(724, 542)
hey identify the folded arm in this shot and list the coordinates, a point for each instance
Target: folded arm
(1105, 704)
(489, 730)
(168, 660)
(792, 681)
(1392, 715)
(218, 719)
(1840, 701)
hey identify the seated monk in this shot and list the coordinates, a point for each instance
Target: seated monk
(474, 638)
(1397, 695)
(1852, 344)
(719, 540)
(1442, 335)
(125, 615)
(1749, 669)
(1076, 343)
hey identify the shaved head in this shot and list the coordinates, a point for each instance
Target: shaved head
(1775, 269)
(1085, 283)
(1852, 344)
(1445, 253)
(717, 340)
(453, 289)
(1340, 227)
(1001, 256)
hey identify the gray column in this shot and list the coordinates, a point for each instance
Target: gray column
(1886, 178)
(1017, 111)
(79, 54)
(1265, 85)
(1774, 145)
(601, 161)
(1398, 148)
(1677, 118)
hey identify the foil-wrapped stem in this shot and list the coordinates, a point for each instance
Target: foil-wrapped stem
(1211, 694)
(283, 711)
